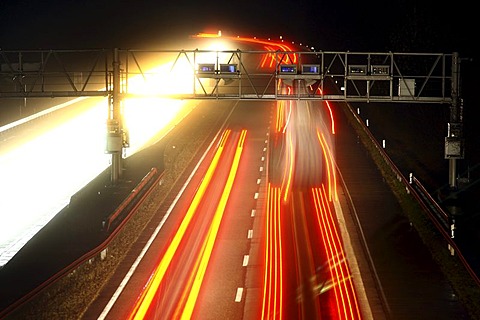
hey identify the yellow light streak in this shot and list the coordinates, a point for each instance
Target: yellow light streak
(51, 160)
(151, 288)
(213, 231)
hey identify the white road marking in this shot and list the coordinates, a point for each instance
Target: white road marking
(238, 297)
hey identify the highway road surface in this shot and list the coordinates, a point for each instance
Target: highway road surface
(281, 213)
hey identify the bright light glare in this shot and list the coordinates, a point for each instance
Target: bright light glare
(40, 176)
(145, 117)
(170, 78)
(216, 45)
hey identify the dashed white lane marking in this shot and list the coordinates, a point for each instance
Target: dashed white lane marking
(263, 159)
(238, 296)
(256, 196)
(259, 180)
(245, 260)
(261, 169)
(253, 213)
(250, 234)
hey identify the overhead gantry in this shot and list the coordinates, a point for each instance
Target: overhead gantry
(373, 77)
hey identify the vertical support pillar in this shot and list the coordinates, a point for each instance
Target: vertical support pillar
(345, 76)
(454, 141)
(277, 70)
(240, 65)
(195, 72)
(116, 156)
(114, 122)
(452, 173)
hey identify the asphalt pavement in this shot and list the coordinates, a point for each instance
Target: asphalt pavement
(75, 230)
(405, 281)
(410, 285)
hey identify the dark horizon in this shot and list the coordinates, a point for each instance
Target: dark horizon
(398, 26)
(373, 26)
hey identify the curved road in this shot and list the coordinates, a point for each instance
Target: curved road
(401, 280)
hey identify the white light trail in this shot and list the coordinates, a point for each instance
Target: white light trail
(39, 177)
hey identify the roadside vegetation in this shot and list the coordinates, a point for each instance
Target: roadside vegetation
(467, 290)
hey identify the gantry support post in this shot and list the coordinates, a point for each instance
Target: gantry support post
(454, 142)
(114, 122)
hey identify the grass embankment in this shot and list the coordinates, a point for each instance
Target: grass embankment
(467, 290)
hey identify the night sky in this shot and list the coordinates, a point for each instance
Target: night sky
(368, 26)
(412, 26)
(395, 25)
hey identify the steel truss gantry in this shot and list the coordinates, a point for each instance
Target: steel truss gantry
(384, 77)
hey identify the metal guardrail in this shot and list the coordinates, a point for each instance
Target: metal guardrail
(128, 206)
(443, 218)
(443, 222)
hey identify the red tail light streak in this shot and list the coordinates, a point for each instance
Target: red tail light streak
(301, 211)
(345, 303)
(272, 305)
(280, 52)
(330, 294)
(330, 164)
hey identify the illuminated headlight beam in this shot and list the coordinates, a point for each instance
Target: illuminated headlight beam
(40, 176)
